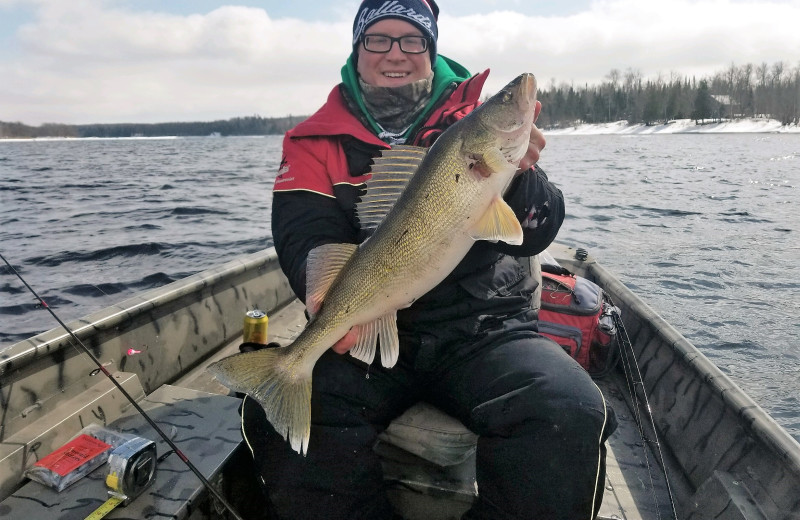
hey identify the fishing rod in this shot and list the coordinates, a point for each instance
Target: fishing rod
(634, 381)
(150, 421)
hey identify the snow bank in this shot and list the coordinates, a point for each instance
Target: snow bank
(680, 126)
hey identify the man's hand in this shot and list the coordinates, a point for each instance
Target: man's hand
(347, 342)
(535, 145)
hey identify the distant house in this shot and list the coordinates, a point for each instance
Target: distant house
(724, 107)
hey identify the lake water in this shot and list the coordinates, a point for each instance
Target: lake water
(705, 228)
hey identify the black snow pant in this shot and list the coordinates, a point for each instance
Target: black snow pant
(542, 424)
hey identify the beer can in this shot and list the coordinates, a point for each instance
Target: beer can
(255, 327)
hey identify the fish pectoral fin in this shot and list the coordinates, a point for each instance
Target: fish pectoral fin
(286, 400)
(488, 163)
(384, 328)
(322, 266)
(498, 223)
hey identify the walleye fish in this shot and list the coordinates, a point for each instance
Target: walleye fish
(429, 209)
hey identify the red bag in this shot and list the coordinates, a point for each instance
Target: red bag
(576, 315)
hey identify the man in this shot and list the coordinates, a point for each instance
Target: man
(469, 346)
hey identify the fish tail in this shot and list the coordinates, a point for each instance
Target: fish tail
(285, 398)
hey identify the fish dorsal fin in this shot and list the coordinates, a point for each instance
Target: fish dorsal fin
(384, 328)
(498, 223)
(323, 264)
(391, 173)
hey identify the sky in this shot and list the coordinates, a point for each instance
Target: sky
(148, 61)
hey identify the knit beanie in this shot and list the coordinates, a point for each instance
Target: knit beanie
(422, 14)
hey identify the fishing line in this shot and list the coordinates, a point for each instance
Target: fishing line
(629, 363)
(127, 396)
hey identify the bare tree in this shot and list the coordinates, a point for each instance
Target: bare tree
(610, 89)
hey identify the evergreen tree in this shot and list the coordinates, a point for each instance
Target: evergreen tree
(702, 102)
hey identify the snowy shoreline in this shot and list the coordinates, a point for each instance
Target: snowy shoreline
(680, 126)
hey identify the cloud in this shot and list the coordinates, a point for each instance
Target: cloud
(86, 63)
(686, 37)
(89, 61)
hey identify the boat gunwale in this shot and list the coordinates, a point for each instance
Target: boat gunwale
(23, 353)
(752, 414)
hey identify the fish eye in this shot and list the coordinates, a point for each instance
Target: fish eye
(507, 96)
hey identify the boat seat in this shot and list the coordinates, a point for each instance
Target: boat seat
(431, 434)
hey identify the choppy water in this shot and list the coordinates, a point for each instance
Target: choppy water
(706, 228)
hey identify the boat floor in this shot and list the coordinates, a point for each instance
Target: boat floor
(635, 484)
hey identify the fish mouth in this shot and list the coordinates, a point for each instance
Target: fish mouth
(521, 93)
(508, 116)
(514, 129)
(527, 92)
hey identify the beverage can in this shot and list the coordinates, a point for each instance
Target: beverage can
(255, 327)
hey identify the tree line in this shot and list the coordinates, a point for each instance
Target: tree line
(252, 125)
(765, 91)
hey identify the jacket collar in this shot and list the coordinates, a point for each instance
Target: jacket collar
(334, 118)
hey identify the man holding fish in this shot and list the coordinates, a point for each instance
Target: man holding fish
(404, 252)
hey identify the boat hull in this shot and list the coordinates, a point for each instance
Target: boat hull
(722, 451)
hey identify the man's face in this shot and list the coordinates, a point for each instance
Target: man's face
(394, 68)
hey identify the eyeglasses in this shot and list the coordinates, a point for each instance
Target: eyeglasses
(382, 43)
